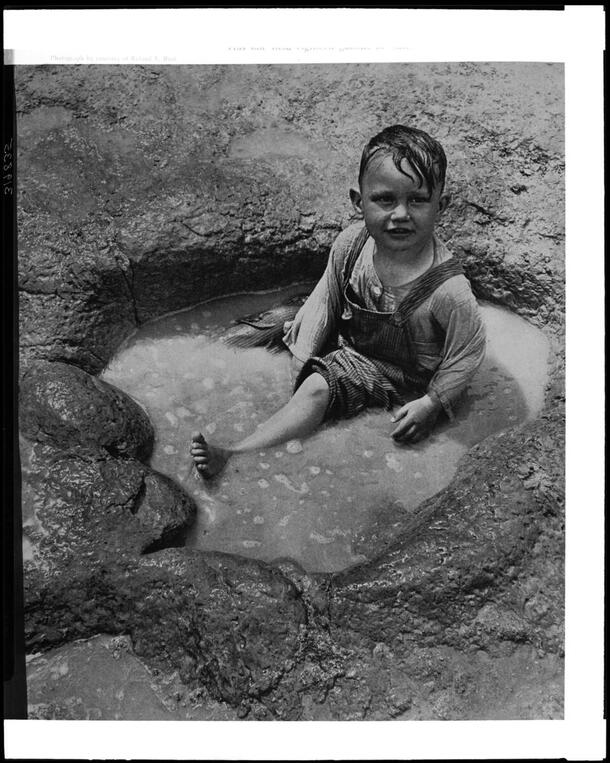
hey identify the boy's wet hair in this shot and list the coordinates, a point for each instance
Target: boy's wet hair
(424, 153)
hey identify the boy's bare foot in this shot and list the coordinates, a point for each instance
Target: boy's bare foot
(209, 459)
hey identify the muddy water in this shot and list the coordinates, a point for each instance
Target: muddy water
(315, 500)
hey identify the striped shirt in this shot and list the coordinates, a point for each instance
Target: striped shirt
(446, 329)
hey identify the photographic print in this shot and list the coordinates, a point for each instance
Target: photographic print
(172, 220)
(291, 394)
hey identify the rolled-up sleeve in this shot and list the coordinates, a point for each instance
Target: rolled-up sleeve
(457, 312)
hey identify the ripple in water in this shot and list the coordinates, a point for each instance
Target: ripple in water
(318, 500)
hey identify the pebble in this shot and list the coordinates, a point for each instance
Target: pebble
(284, 521)
(368, 453)
(258, 520)
(250, 543)
(314, 470)
(210, 428)
(294, 447)
(169, 449)
(263, 484)
(263, 465)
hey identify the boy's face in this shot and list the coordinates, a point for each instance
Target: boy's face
(399, 212)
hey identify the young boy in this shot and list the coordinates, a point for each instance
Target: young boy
(393, 315)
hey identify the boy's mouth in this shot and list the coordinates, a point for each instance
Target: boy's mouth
(400, 232)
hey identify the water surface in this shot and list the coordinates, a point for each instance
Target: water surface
(315, 500)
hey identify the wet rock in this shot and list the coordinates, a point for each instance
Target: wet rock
(93, 680)
(83, 504)
(224, 623)
(84, 514)
(61, 404)
(463, 544)
(75, 295)
(231, 624)
(102, 679)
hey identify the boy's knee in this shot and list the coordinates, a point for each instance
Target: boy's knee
(316, 387)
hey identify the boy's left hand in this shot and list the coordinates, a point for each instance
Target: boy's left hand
(416, 419)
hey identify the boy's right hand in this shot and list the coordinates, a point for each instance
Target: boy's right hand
(416, 419)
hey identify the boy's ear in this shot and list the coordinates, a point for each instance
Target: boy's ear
(444, 202)
(356, 198)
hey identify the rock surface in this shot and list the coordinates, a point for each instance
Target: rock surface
(102, 679)
(85, 513)
(145, 190)
(61, 404)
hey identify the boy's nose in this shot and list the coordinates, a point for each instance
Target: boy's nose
(401, 212)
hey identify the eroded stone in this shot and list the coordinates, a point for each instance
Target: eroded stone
(61, 404)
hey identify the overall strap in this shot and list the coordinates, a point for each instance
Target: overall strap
(353, 253)
(426, 286)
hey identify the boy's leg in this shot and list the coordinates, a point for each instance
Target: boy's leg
(301, 415)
